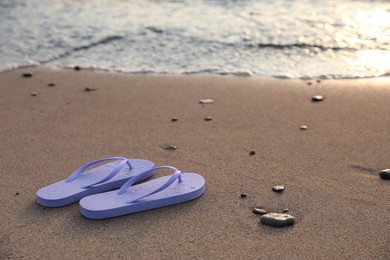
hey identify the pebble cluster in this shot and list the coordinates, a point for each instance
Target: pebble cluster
(274, 219)
(205, 101)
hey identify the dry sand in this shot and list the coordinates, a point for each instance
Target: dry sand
(330, 171)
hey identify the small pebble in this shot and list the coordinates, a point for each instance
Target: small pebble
(174, 119)
(303, 127)
(277, 220)
(87, 89)
(318, 81)
(278, 188)
(17, 193)
(309, 83)
(317, 98)
(253, 152)
(33, 94)
(258, 211)
(206, 101)
(27, 75)
(243, 195)
(51, 84)
(286, 210)
(170, 147)
(77, 68)
(208, 118)
(385, 174)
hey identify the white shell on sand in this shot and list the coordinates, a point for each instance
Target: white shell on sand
(206, 101)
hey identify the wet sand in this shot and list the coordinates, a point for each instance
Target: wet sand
(330, 171)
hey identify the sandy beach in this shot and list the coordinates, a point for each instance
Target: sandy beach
(330, 171)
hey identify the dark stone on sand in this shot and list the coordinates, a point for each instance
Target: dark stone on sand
(277, 220)
(174, 119)
(208, 118)
(318, 81)
(88, 89)
(253, 152)
(33, 94)
(317, 98)
(51, 84)
(303, 127)
(309, 83)
(243, 195)
(385, 174)
(77, 68)
(170, 147)
(278, 188)
(17, 193)
(286, 210)
(27, 75)
(259, 211)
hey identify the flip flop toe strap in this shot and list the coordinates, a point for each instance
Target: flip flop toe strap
(122, 162)
(175, 176)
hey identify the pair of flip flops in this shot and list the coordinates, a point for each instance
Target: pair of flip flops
(95, 188)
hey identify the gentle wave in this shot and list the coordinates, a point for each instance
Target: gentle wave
(307, 45)
(283, 39)
(105, 40)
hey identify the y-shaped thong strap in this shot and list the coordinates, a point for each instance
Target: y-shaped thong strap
(175, 175)
(122, 162)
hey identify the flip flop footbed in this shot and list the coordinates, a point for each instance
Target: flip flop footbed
(63, 193)
(110, 204)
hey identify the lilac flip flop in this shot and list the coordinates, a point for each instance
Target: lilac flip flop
(156, 193)
(103, 178)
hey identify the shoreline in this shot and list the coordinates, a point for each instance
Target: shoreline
(240, 74)
(330, 171)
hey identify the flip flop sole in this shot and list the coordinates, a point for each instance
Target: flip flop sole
(63, 193)
(110, 204)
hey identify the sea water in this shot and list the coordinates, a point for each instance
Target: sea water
(287, 39)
